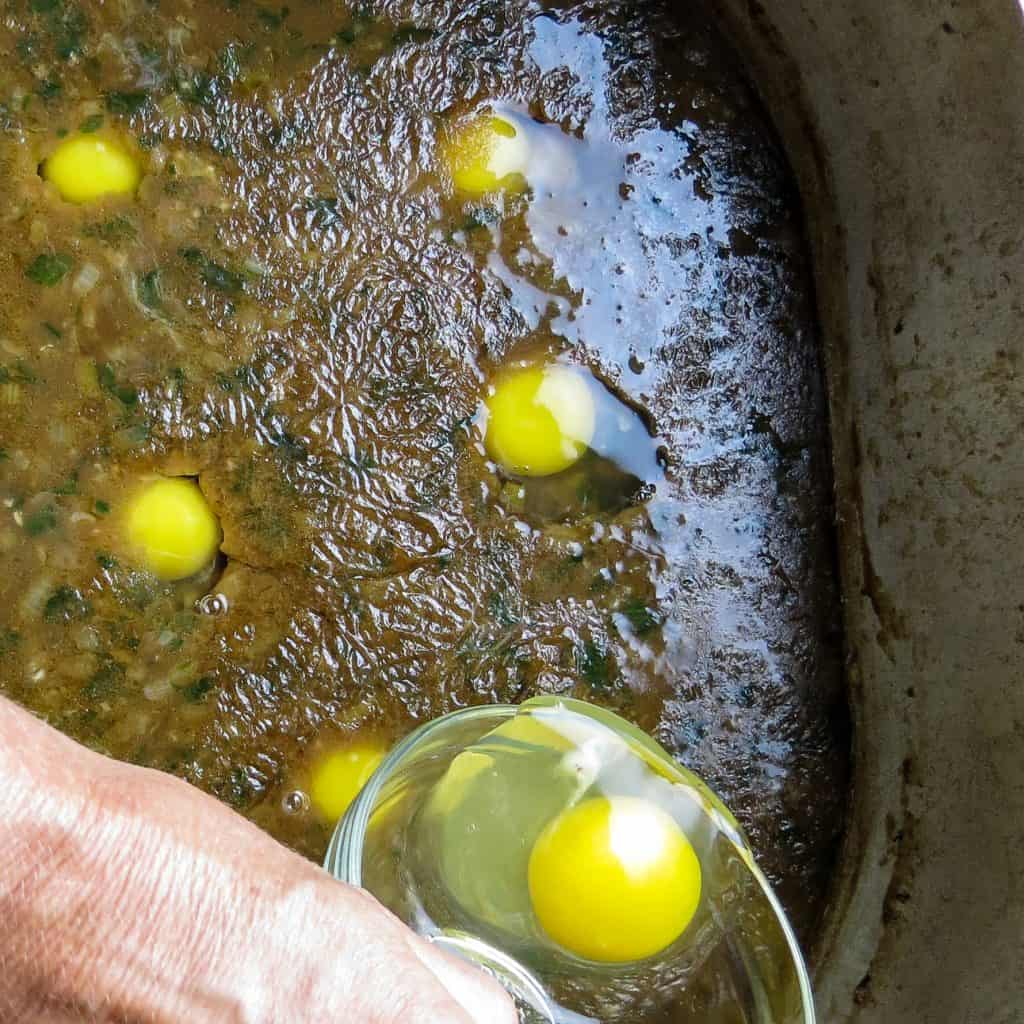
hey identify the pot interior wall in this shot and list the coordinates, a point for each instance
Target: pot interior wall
(902, 122)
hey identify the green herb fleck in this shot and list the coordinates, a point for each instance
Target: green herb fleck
(48, 269)
(359, 26)
(105, 681)
(147, 287)
(91, 124)
(222, 279)
(411, 34)
(498, 607)
(267, 523)
(137, 591)
(480, 217)
(21, 373)
(323, 211)
(182, 756)
(108, 381)
(239, 791)
(127, 103)
(41, 522)
(101, 507)
(150, 57)
(113, 232)
(66, 604)
(69, 486)
(54, 332)
(105, 560)
(642, 618)
(197, 87)
(287, 447)
(49, 89)
(69, 26)
(213, 274)
(272, 19)
(9, 640)
(27, 48)
(197, 692)
(171, 641)
(594, 663)
(137, 433)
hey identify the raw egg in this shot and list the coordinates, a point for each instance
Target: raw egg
(338, 778)
(540, 419)
(614, 879)
(488, 154)
(86, 167)
(172, 528)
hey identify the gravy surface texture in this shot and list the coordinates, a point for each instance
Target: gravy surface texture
(298, 310)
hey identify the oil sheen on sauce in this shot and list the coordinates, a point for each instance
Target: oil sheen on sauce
(297, 311)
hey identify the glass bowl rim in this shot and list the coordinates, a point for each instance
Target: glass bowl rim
(344, 855)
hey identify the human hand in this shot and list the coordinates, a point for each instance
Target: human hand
(128, 896)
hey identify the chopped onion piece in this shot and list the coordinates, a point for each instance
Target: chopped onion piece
(86, 279)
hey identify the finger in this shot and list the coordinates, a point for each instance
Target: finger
(476, 992)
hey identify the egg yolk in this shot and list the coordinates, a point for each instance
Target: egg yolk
(540, 419)
(614, 880)
(488, 155)
(86, 167)
(173, 529)
(339, 777)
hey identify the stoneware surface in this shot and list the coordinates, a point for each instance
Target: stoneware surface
(905, 122)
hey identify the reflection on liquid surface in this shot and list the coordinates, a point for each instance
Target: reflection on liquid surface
(299, 311)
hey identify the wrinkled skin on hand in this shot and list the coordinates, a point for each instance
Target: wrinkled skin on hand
(126, 896)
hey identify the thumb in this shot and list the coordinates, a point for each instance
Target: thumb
(476, 992)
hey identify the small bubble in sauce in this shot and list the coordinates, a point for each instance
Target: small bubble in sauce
(212, 604)
(295, 802)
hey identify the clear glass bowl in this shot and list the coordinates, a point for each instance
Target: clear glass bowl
(739, 964)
